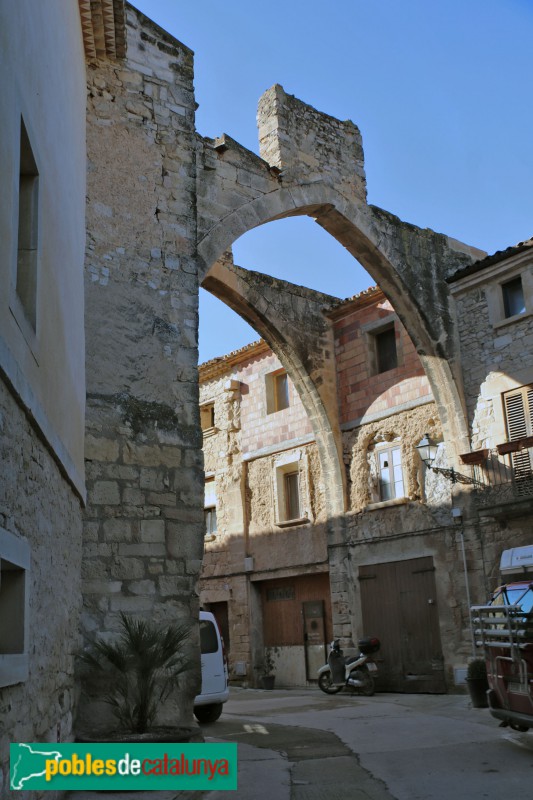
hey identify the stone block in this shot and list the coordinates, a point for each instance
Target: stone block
(100, 449)
(104, 493)
(145, 549)
(145, 587)
(118, 530)
(127, 568)
(101, 587)
(153, 530)
(173, 584)
(131, 605)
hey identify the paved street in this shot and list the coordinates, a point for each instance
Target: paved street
(304, 745)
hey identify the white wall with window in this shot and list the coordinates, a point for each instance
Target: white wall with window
(42, 221)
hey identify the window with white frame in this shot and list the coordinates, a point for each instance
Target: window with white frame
(390, 473)
(210, 508)
(14, 605)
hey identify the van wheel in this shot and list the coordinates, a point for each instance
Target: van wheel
(208, 713)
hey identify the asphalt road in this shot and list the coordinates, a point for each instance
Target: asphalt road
(304, 745)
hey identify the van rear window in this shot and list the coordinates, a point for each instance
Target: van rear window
(208, 637)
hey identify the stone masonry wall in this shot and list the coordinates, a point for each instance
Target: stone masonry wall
(36, 502)
(144, 521)
(294, 137)
(498, 359)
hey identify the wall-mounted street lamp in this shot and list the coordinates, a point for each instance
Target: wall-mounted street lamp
(427, 450)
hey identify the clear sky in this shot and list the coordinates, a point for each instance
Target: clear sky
(441, 92)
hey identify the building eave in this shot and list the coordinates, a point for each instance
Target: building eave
(103, 25)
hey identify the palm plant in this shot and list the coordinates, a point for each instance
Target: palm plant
(145, 662)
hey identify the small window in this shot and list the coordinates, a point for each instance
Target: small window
(292, 495)
(277, 391)
(390, 473)
(26, 282)
(513, 298)
(282, 391)
(210, 516)
(290, 498)
(14, 583)
(386, 353)
(207, 416)
(210, 507)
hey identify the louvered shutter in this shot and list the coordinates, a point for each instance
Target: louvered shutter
(519, 416)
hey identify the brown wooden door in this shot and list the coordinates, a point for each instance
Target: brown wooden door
(399, 605)
(314, 637)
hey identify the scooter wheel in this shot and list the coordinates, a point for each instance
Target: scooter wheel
(517, 727)
(367, 682)
(325, 683)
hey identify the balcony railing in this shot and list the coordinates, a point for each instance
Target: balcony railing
(505, 474)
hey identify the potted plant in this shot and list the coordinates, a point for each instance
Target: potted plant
(268, 678)
(476, 678)
(140, 670)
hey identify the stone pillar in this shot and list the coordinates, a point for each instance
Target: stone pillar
(144, 518)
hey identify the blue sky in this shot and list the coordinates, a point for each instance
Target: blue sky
(440, 91)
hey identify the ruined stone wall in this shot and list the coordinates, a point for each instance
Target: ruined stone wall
(39, 505)
(296, 138)
(405, 429)
(144, 522)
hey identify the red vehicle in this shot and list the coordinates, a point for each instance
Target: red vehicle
(504, 628)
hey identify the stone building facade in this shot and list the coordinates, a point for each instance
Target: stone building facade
(265, 557)
(164, 206)
(260, 556)
(412, 549)
(494, 300)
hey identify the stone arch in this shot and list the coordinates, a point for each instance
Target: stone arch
(313, 374)
(409, 264)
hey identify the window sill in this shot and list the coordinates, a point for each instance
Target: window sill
(399, 501)
(13, 669)
(511, 320)
(289, 523)
(209, 432)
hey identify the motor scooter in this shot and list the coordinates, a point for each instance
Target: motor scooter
(355, 672)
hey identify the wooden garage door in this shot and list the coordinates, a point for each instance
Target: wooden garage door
(282, 601)
(399, 605)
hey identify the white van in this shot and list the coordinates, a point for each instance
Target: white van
(215, 689)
